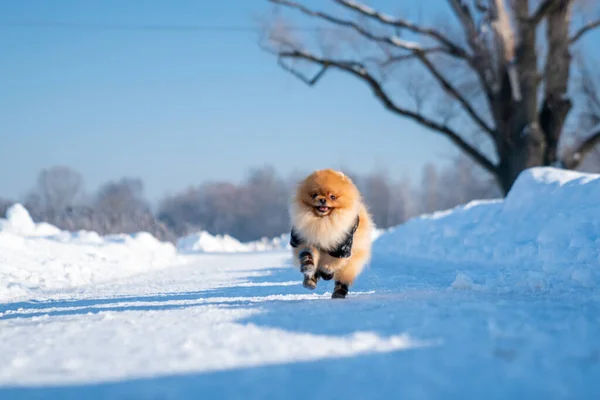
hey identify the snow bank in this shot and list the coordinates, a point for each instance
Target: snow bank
(38, 257)
(544, 235)
(281, 242)
(204, 242)
(376, 234)
(19, 222)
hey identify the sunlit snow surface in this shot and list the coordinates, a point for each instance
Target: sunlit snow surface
(493, 300)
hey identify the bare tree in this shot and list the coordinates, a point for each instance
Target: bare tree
(117, 207)
(220, 206)
(588, 132)
(215, 207)
(430, 187)
(181, 212)
(57, 188)
(120, 207)
(404, 194)
(390, 202)
(121, 197)
(5, 204)
(386, 200)
(462, 181)
(456, 183)
(253, 209)
(267, 198)
(492, 79)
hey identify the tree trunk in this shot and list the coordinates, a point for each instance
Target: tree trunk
(534, 145)
(527, 153)
(529, 134)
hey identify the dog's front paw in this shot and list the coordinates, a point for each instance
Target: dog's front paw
(307, 263)
(310, 282)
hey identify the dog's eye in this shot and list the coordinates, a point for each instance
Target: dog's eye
(332, 197)
(314, 195)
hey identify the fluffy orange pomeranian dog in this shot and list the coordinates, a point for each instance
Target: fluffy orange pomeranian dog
(331, 230)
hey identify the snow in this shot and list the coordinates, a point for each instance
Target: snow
(222, 344)
(464, 282)
(204, 242)
(197, 320)
(40, 257)
(544, 236)
(18, 221)
(494, 299)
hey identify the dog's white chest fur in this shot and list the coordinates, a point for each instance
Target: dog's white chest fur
(323, 232)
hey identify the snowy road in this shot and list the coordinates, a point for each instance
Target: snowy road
(241, 326)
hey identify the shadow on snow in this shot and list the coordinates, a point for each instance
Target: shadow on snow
(489, 342)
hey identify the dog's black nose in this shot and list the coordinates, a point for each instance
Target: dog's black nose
(323, 201)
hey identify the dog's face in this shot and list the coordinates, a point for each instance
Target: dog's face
(327, 192)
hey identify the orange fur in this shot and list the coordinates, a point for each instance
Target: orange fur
(327, 230)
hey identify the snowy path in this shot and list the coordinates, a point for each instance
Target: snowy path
(241, 326)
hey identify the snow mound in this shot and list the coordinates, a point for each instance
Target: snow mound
(204, 242)
(35, 258)
(376, 234)
(545, 235)
(281, 242)
(79, 237)
(19, 222)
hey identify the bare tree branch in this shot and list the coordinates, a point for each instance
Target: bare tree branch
(404, 57)
(451, 90)
(481, 60)
(583, 30)
(453, 48)
(527, 94)
(466, 19)
(413, 48)
(543, 9)
(309, 81)
(584, 148)
(359, 71)
(390, 40)
(591, 92)
(481, 7)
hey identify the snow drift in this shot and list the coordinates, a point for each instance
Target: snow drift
(204, 242)
(37, 257)
(544, 235)
(19, 222)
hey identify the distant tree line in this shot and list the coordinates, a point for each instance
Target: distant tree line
(254, 208)
(58, 198)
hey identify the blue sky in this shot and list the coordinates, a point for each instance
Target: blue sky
(178, 108)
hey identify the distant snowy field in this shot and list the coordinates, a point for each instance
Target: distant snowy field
(496, 299)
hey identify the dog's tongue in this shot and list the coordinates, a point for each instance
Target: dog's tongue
(323, 208)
